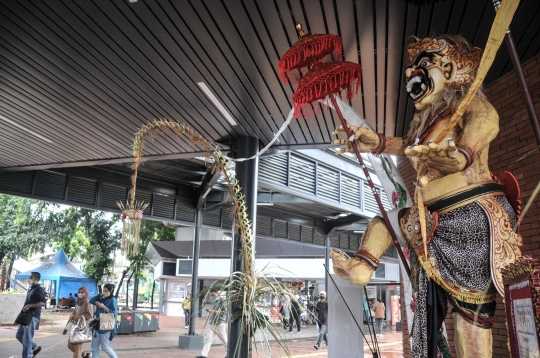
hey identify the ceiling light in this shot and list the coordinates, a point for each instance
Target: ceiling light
(25, 129)
(358, 232)
(132, 1)
(342, 215)
(218, 104)
(265, 204)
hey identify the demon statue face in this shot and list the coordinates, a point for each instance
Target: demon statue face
(433, 64)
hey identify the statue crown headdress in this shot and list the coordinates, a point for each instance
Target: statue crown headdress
(466, 61)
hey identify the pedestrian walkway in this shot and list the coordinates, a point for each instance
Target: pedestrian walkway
(164, 343)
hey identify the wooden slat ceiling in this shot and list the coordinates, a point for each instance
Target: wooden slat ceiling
(77, 78)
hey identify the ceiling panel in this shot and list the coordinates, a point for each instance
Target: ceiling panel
(77, 78)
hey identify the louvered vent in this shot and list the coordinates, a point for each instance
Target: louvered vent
(19, 182)
(350, 191)
(163, 206)
(307, 234)
(344, 242)
(226, 218)
(334, 241)
(264, 226)
(280, 229)
(327, 183)
(184, 212)
(318, 238)
(82, 190)
(110, 194)
(51, 184)
(369, 200)
(354, 242)
(274, 169)
(302, 175)
(147, 198)
(212, 218)
(294, 232)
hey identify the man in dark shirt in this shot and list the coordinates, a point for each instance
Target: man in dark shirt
(35, 299)
(322, 319)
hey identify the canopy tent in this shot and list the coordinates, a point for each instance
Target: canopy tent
(67, 278)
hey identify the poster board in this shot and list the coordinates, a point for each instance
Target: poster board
(522, 303)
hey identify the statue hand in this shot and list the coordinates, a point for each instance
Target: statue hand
(366, 140)
(354, 269)
(444, 157)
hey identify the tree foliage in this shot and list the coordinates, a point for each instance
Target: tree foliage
(23, 226)
(104, 240)
(28, 226)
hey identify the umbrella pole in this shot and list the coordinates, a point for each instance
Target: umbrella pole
(372, 186)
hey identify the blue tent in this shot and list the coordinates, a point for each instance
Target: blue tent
(67, 278)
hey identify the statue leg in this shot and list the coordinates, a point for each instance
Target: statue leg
(376, 241)
(471, 341)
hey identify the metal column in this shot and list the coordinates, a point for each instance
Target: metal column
(195, 274)
(326, 261)
(161, 291)
(247, 174)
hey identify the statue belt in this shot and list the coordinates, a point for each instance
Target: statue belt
(463, 196)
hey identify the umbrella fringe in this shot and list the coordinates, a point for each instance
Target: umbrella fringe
(306, 53)
(342, 80)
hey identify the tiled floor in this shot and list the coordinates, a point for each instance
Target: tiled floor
(164, 343)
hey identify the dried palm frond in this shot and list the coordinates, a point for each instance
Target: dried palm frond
(244, 290)
(244, 294)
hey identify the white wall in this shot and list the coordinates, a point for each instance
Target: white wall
(188, 234)
(284, 268)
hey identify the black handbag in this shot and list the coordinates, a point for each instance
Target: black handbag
(94, 324)
(25, 318)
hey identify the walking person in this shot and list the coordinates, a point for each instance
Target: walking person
(286, 313)
(296, 311)
(379, 309)
(35, 299)
(83, 308)
(321, 310)
(105, 303)
(186, 305)
(218, 323)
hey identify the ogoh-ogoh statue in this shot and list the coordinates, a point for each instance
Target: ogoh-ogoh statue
(469, 219)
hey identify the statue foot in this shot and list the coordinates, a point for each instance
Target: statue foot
(354, 269)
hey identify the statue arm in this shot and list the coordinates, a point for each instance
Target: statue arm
(369, 141)
(359, 269)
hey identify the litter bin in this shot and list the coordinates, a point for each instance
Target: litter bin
(124, 324)
(154, 322)
(147, 318)
(138, 319)
(399, 326)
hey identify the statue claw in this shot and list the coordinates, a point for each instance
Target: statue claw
(341, 262)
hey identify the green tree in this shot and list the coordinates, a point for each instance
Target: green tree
(104, 240)
(22, 226)
(151, 230)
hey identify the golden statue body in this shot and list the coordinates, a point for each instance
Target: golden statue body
(469, 219)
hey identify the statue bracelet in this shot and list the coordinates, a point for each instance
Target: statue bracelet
(382, 145)
(369, 258)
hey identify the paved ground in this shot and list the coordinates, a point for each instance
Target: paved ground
(164, 343)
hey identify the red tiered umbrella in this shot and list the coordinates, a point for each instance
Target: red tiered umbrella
(328, 80)
(309, 50)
